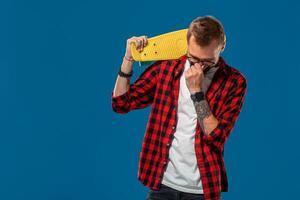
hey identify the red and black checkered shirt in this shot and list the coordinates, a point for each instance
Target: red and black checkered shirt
(158, 86)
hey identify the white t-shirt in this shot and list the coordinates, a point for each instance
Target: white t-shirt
(182, 172)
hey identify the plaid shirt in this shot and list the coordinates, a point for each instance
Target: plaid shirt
(158, 86)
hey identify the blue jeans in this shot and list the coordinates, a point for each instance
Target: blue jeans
(167, 193)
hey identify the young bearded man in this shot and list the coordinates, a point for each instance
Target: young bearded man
(196, 101)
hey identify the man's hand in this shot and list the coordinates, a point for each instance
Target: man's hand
(123, 83)
(140, 43)
(194, 77)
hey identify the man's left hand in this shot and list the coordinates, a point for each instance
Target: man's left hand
(194, 77)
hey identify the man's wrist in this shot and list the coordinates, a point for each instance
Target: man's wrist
(195, 91)
(130, 59)
(125, 74)
(198, 96)
(126, 68)
(127, 65)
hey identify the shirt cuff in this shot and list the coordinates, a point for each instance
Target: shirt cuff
(119, 99)
(215, 137)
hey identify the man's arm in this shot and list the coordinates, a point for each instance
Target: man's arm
(206, 119)
(194, 76)
(139, 94)
(122, 83)
(126, 96)
(218, 128)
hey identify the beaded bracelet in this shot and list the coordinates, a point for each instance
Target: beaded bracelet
(128, 59)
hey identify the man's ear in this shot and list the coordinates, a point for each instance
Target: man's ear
(223, 47)
(224, 44)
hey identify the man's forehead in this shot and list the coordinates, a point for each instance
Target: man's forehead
(206, 52)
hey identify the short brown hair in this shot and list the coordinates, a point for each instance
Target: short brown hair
(205, 29)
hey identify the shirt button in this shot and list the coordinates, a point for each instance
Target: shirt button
(165, 162)
(173, 127)
(168, 144)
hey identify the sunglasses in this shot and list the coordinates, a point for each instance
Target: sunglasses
(206, 63)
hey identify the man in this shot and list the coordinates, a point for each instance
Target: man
(196, 101)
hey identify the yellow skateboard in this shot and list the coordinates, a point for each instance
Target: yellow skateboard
(167, 46)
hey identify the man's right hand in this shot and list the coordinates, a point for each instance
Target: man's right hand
(140, 43)
(122, 84)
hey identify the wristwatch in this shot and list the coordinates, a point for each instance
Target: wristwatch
(198, 96)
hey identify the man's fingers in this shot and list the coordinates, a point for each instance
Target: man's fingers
(138, 46)
(140, 42)
(187, 73)
(198, 66)
(145, 40)
(194, 70)
(130, 41)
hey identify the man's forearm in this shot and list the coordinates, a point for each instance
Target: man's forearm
(206, 119)
(122, 84)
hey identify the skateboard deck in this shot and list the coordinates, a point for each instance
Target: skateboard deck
(167, 46)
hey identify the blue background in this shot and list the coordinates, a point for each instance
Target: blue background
(59, 138)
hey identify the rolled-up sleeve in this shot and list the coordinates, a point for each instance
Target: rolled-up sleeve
(228, 116)
(140, 93)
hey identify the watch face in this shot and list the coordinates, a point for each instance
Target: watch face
(198, 96)
(193, 97)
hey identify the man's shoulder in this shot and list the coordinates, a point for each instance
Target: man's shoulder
(235, 74)
(166, 64)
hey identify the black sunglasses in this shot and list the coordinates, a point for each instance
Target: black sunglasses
(206, 63)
